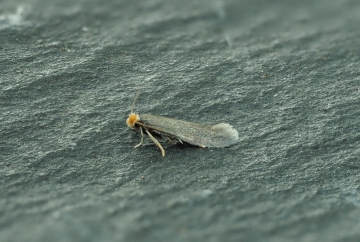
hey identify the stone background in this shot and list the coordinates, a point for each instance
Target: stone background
(284, 73)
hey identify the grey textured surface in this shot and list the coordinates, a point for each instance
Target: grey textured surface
(284, 73)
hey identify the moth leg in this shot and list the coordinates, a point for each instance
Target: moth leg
(174, 140)
(156, 142)
(170, 139)
(142, 138)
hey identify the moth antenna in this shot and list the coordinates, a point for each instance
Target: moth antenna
(133, 104)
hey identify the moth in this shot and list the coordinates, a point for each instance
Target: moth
(174, 130)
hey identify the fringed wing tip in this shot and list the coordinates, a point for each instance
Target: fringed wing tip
(229, 134)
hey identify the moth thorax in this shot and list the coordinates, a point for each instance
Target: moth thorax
(133, 118)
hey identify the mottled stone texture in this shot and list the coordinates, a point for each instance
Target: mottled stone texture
(285, 74)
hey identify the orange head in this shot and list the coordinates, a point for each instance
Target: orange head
(131, 121)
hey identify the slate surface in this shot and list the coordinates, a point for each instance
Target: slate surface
(284, 73)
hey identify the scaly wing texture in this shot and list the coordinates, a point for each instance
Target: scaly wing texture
(218, 135)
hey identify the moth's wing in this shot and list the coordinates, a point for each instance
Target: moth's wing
(218, 135)
(223, 134)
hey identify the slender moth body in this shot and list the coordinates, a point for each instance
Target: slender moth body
(217, 135)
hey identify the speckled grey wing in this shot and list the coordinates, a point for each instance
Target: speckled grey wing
(218, 135)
